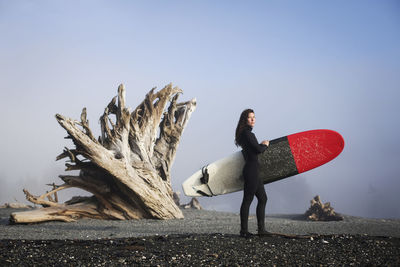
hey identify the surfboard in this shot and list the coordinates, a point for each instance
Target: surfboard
(285, 157)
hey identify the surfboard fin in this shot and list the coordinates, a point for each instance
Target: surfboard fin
(204, 180)
(206, 176)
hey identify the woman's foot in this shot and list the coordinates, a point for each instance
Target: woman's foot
(246, 234)
(263, 233)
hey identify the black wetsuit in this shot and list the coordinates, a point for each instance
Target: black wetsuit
(253, 186)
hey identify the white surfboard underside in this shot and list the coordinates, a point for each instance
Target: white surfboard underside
(225, 176)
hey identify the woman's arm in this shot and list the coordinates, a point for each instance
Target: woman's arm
(265, 142)
(252, 141)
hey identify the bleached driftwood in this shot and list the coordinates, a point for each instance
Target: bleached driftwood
(319, 211)
(127, 169)
(193, 204)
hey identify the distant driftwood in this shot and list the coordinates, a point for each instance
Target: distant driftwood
(193, 204)
(15, 205)
(127, 169)
(319, 211)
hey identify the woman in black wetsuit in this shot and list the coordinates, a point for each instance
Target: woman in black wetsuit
(253, 186)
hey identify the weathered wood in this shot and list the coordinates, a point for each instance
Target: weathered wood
(193, 204)
(127, 169)
(319, 211)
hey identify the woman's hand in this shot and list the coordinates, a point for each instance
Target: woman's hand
(265, 142)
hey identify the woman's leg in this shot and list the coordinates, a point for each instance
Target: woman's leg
(262, 202)
(250, 187)
(248, 196)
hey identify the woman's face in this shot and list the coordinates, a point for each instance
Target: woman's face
(251, 119)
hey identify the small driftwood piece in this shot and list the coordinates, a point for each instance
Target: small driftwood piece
(319, 211)
(193, 204)
(127, 168)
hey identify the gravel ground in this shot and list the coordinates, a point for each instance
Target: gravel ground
(195, 222)
(207, 238)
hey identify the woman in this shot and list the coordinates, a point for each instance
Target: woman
(253, 186)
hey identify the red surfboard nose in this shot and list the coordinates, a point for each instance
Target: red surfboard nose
(311, 149)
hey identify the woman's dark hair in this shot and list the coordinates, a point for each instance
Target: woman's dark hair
(241, 125)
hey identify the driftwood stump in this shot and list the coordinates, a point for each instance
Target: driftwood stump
(127, 168)
(319, 211)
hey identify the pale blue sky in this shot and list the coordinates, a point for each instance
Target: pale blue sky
(300, 65)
